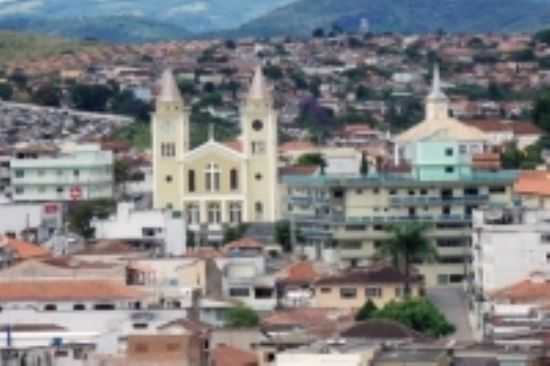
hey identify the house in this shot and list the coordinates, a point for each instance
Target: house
(352, 289)
(294, 284)
(384, 330)
(533, 189)
(224, 355)
(168, 227)
(14, 250)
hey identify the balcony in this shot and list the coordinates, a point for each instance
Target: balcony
(374, 220)
(438, 201)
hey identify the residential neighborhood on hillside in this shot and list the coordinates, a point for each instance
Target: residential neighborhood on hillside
(347, 198)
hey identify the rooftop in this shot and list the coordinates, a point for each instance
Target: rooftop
(66, 290)
(224, 355)
(23, 250)
(382, 329)
(533, 183)
(384, 274)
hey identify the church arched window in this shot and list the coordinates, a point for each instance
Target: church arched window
(212, 177)
(191, 180)
(259, 211)
(234, 179)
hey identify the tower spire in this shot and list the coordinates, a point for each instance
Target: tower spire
(436, 92)
(258, 88)
(169, 90)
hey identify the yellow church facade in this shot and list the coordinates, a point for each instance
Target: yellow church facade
(216, 184)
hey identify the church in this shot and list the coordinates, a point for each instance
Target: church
(216, 184)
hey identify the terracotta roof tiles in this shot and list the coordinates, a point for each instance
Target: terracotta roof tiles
(65, 290)
(533, 183)
(23, 249)
(224, 355)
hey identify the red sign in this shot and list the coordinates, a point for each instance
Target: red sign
(51, 208)
(76, 193)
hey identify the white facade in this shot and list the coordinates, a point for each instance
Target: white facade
(44, 219)
(74, 172)
(508, 247)
(127, 223)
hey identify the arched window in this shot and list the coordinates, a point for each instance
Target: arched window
(234, 179)
(212, 177)
(191, 180)
(193, 212)
(235, 212)
(214, 213)
(259, 211)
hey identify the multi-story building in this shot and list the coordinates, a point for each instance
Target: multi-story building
(509, 246)
(67, 173)
(216, 184)
(345, 218)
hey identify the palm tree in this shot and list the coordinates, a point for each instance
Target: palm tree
(408, 242)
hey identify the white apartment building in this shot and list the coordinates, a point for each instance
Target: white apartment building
(70, 172)
(509, 245)
(130, 224)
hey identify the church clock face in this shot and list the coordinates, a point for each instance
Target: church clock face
(257, 125)
(165, 127)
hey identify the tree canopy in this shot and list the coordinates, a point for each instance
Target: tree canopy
(418, 314)
(407, 242)
(241, 317)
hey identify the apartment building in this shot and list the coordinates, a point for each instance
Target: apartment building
(69, 172)
(344, 218)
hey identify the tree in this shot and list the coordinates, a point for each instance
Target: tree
(543, 36)
(126, 103)
(541, 112)
(234, 233)
(47, 95)
(91, 98)
(273, 72)
(230, 44)
(121, 171)
(311, 159)
(81, 214)
(366, 312)
(241, 317)
(318, 33)
(408, 242)
(6, 91)
(364, 168)
(418, 314)
(283, 235)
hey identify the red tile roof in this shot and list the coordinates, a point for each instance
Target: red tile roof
(298, 170)
(300, 272)
(296, 146)
(23, 249)
(526, 128)
(66, 290)
(243, 243)
(533, 183)
(224, 355)
(319, 322)
(526, 291)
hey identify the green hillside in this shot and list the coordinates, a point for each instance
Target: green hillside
(16, 46)
(408, 16)
(116, 29)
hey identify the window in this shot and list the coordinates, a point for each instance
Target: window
(456, 278)
(141, 348)
(545, 238)
(258, 176)
(169, 179)
(463, 149)
(235, 213)
(497, 190)
(258, 147)
(376, 190)
(19, 190)
(446, 210)
(193, 213)
(239, 292)
(373, 292)
(59, 189)
(443, 279)
(79, 307)
(398, 292)
(358, 191)
(234, 179)
(19, 173)
(423, 192)
(348, 293)
(326, 290)
(50, 307)
(411, 192)
(449, 169)
(214, 213)
(212, 177)
(259, 211)
(103, 307)
(393, 192)
(191, 180)
(168, 150)
(449, 151)
(76, 173)
(263, 293)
